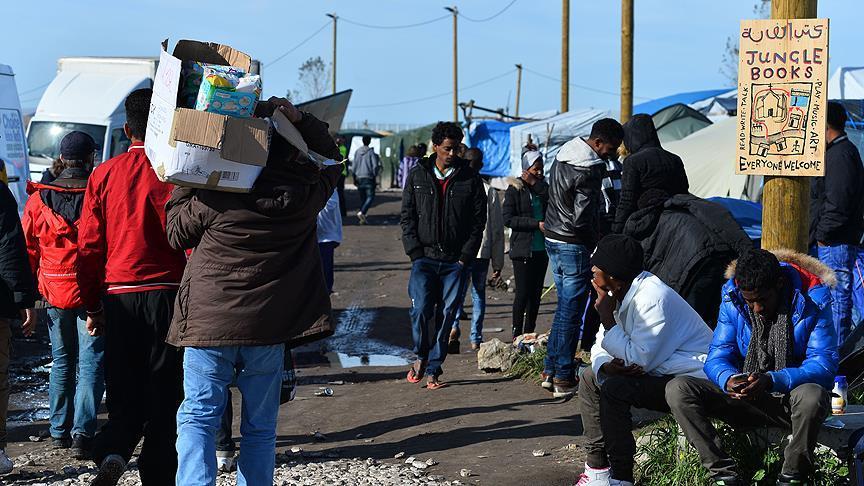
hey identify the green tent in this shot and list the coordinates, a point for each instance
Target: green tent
(393, 147)
(677, 121)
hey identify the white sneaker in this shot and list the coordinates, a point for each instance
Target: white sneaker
(618, 482)
(225, 463)
(5, 463)
(361, 217)
(596, 477)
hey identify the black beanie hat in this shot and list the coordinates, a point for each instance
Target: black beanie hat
(620, 256)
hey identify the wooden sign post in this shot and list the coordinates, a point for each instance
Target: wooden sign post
(782, 97)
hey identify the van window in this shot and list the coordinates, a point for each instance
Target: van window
(44, 137)
(119, 142)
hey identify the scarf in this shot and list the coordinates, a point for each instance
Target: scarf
(770, 346)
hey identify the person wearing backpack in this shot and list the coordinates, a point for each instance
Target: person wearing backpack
(50, 223)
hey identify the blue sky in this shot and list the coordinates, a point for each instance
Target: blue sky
(679, 45)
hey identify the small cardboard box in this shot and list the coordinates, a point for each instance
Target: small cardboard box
(197, 148)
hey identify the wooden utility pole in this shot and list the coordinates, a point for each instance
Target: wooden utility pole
(333, 76)
(626, 60)
(518, 87)
(455, 12)
(565, 56)
(786, 200)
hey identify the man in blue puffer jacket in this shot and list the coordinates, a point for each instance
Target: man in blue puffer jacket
(772, 362)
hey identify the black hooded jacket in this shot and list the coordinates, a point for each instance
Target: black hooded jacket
(648, 166)
(836, 204)
(17, 288)
(450, 230)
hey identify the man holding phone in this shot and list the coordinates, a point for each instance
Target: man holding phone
(771, 363)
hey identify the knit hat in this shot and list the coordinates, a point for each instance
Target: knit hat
(620, 256)
(529, 157)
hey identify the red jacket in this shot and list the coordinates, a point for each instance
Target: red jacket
(122, 245)
(52, 245)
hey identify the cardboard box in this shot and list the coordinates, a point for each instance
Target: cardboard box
(198, 148)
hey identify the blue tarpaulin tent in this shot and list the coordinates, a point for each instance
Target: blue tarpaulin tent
(653, 106)
(493, 138)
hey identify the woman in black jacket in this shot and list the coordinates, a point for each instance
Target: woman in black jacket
(524, 209)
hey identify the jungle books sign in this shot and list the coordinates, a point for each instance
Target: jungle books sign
(782, 96)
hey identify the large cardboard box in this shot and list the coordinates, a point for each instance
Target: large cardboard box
(196, 148)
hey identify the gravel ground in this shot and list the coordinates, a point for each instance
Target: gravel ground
(291, 470)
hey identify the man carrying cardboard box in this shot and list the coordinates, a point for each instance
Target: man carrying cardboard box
(128, 278)
(258, 284)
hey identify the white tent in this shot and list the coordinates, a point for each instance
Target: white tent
(847, 83)
(709, 158)
(550, 134)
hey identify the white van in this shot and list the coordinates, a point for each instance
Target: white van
(88, 95)
(13, 145)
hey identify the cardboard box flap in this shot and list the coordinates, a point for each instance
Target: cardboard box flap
(212, 53)
(247, 140)
(198, 127)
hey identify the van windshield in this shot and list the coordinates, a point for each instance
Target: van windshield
(44, 138)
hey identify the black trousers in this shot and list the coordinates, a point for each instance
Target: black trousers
(530, 274)
(143, 377)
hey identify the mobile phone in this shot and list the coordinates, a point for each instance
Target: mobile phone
(738, 380)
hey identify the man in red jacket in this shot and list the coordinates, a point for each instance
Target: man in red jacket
(129, 277)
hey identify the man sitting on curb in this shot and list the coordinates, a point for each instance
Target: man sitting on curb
(771, 363)
(650, 335)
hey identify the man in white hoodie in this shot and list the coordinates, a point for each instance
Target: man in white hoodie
(649, 336)
(571, 228)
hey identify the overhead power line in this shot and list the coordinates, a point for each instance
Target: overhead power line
(304, 41)
(469, 19)
(37, 88)
(579, 86)
(439, 95)
(405, 26)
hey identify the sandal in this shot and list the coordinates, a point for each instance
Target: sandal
(414, 376)
(435, 385)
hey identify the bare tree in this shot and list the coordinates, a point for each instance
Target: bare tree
(729, 64)
(314, 77)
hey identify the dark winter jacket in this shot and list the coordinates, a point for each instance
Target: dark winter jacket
(682, 234)
(836, 200)
(814, 354)
(255, 275)
(456, 234)
(519, 214)
(575, 199)
(647, 167)
(17, 289)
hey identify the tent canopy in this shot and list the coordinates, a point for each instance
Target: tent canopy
(846, 83)
(493, 138)
(678, 121)
(654, 106)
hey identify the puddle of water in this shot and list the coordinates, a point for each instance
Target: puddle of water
(351, 346)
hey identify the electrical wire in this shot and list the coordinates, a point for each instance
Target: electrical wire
(390, 27)
(304, 41)
(469, 19)
(579, 86)
(37, 88)
(439, 95)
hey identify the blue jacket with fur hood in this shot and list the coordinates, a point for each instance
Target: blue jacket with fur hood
(815, 358)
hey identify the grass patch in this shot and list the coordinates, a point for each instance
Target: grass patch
(665, 459)
(529, 366)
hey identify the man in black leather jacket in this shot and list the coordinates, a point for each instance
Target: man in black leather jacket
(571, 229)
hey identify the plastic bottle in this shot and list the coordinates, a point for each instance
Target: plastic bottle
(838, 400)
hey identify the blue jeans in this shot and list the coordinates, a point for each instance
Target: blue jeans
(366, 188)
(571, 271)
(477, 273)
(434, 287)
(77, 379)
(207, 372)
(841, 259)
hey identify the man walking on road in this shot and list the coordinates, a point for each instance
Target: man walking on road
(128, 278)
(837, 215)
(443, 217)
(367, 166)
(571, 229)
(17, 294)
